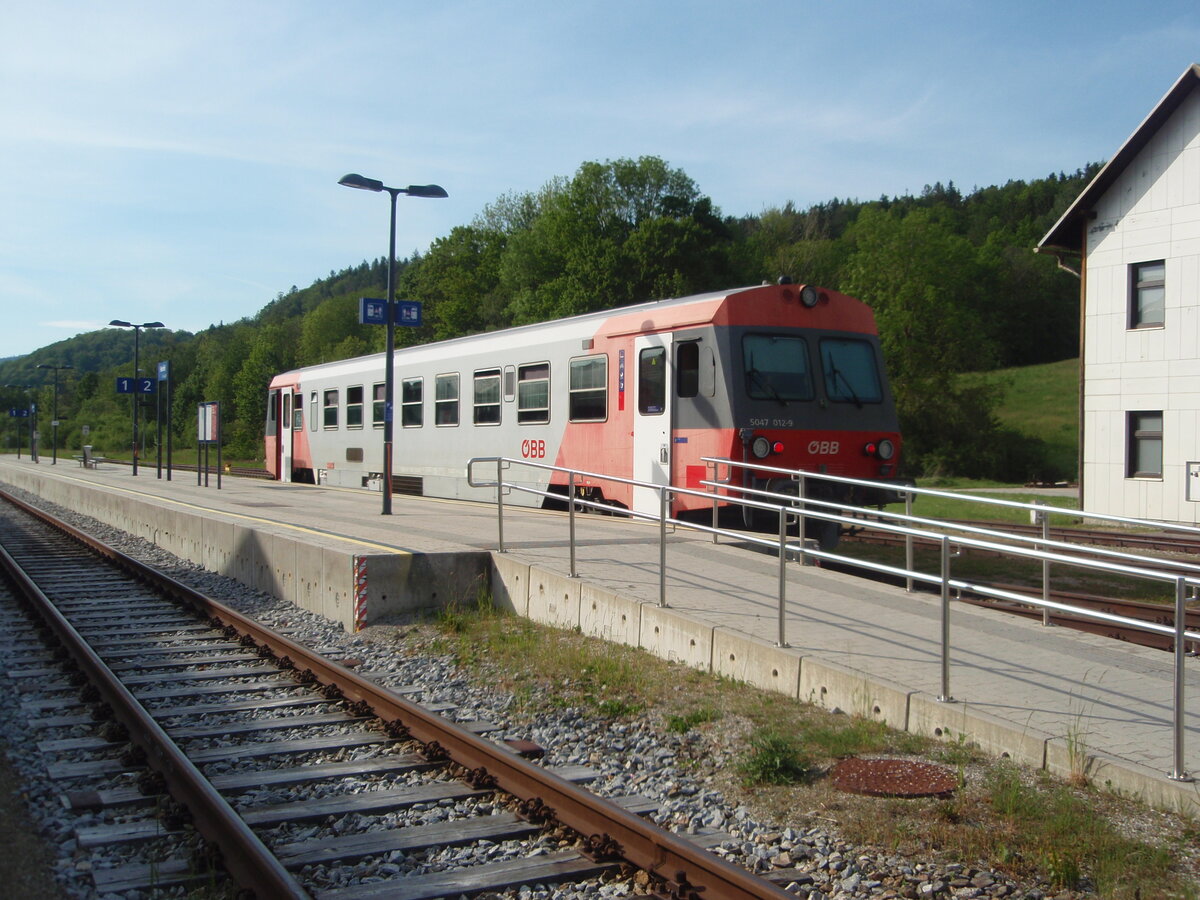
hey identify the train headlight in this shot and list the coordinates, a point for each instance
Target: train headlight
(760, 447)
(883, 449)
(809, 296)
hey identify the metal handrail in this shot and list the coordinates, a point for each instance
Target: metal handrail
(791, 508)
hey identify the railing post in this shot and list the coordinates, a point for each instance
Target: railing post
(1177, 772)
(945, 696)
(571, 518)
(800, 494)
(908, 542)
(712, 476)
(500, 502)
(782, 642)
(1045, 520)
(662, 546)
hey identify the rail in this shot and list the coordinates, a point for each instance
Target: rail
(798, 508)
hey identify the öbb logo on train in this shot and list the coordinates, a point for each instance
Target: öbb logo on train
(823, 448)
(533, 449)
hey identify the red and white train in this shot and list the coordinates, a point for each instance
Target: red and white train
(787, 374)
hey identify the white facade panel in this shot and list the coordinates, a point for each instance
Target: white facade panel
(1151, 212)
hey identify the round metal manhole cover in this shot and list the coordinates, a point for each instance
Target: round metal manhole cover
(893, 778)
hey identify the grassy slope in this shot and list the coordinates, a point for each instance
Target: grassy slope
(1043, 401)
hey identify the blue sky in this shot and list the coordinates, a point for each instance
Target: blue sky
(179, 161)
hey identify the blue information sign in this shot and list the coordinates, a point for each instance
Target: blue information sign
(135, 385)
(373, 311)
(164, 371)
(19, 413)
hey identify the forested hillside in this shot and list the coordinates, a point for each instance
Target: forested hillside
(952, 278)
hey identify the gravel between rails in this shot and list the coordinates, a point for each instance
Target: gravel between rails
(633, 756)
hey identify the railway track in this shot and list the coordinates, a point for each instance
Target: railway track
(199, 746)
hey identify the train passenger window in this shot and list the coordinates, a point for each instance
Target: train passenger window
(777, 367)
(652, 381)
(533, 394)
(510, 384)
(445, 399)
(378, 404)
(354, 406)
(412, 395)
(588, 389)
(487, 397)
(330, 419)
(312, 411)
(851, 374)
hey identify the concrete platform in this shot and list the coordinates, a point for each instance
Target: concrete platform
(1058, 699)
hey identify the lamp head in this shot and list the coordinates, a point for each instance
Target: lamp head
(363, 184)
(426, 190)
(121, 324)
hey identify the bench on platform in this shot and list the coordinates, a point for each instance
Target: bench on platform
(89, 459)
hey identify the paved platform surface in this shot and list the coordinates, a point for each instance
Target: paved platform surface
(1112, 700)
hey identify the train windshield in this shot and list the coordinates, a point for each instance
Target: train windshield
(777, 367)
(851, 375)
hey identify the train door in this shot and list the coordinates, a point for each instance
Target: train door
(651, 418)
(285, 434)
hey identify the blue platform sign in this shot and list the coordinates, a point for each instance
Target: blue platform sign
(19, 413)
(373, 311)
(135, 385)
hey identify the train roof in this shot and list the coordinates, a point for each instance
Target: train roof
(549, 330)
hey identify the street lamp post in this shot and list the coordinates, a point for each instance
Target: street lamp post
(54, 419)
(413, 190)
(137, 330)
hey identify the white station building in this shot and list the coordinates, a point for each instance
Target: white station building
(1133, 235)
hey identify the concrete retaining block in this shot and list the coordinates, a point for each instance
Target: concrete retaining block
(960, 721)
(510, 584)
(756, 662)
(553, 598)
(673, 636)
(609, 616)
(835, 686)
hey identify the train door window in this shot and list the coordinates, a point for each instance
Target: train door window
(330, 419)
(777, 368)
(533, 394)
(695, 370)
(354, 406)
(445, 399)
(510, 384)
(487, 397)
(312, 411)
(588, 389)
(851, 375)
(378, 404)
(298, 414)
(412, 397)
(652, 381)
(1145, 441)
(272, 399)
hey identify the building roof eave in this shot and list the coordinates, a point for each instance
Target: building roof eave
(1067, 233)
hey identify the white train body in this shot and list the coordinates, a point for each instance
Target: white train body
(641, 392)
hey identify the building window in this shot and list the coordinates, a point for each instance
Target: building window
(354, 406)
(445, 399)
(588, 389)
(487, 397)
(330, 419)
(1145, 444)
(533, 394)
(412, 393)
(378, 404)
(1147, 294)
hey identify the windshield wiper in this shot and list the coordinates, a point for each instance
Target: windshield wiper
(762, 382)
(834, 374)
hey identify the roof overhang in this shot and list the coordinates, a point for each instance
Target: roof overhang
(1067, 234)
